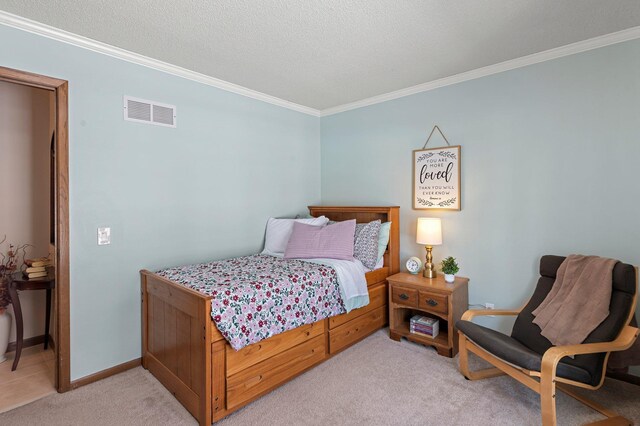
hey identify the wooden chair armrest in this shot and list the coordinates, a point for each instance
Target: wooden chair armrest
(471, 313)
(553, 355)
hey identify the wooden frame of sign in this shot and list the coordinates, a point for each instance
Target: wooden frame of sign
(436, 178)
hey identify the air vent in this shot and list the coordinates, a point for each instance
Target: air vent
(149, 112)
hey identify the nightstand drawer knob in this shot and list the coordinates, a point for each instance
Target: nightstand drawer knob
(432, 302)
(404, 296)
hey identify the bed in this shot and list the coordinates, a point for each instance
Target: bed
(184, 350)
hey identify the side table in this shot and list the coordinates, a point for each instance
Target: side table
(413, 294)
(20, 283)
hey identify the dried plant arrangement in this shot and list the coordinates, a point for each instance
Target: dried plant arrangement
(11, 261)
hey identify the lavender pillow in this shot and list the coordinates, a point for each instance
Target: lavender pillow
(330, 242)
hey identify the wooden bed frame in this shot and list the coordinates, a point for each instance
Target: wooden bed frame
(183, 349)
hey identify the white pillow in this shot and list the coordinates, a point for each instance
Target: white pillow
(279, 231)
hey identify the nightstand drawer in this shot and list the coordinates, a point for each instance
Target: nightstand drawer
(404, 296)
(433, 302)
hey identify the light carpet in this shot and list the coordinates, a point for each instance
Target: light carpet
(376, 382)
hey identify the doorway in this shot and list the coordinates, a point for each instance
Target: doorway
(59, 213)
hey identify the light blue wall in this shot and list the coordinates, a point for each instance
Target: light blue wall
(171, 196)
(550, 160)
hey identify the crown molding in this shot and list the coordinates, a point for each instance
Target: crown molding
(547, 55)
(44, 30)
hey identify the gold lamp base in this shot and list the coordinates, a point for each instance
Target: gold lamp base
(429, 271)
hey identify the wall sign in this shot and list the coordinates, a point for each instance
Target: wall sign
(436, 178)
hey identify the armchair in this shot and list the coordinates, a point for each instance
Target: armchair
(530, 358)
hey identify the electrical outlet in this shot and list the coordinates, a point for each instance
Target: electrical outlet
(489, 305)
(104, 236)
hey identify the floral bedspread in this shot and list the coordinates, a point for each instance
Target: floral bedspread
(256, 297)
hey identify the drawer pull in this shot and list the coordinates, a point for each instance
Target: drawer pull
(404, 296)
(432, 302)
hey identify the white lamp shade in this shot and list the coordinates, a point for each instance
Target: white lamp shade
(429, 231)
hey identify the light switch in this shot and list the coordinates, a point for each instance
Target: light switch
(104, 236)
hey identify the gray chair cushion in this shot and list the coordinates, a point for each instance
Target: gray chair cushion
(510, 350)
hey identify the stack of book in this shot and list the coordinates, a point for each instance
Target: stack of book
(37, 268)
(424, 326)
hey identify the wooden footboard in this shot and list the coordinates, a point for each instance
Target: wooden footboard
(176, 342)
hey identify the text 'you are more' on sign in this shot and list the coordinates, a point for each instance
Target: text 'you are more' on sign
(436, 178)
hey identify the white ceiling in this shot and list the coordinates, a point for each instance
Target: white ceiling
(325, 53)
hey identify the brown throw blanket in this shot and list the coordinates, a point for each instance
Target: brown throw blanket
(578, 301)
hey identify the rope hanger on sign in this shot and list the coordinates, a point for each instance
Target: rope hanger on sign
(431, 134)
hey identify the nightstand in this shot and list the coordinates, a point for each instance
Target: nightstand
(413, 294)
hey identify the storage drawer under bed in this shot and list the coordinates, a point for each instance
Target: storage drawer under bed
(258, 379)
(258, 352)
(377, 298)
(356, 329)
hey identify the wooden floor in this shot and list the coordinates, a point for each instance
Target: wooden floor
(32, 380)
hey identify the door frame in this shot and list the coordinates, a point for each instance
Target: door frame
(62, 328)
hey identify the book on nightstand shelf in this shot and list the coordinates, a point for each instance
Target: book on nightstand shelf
(424, 326)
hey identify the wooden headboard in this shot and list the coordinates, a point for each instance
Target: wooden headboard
(367, 214)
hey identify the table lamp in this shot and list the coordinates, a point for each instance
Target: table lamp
(430, 234)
